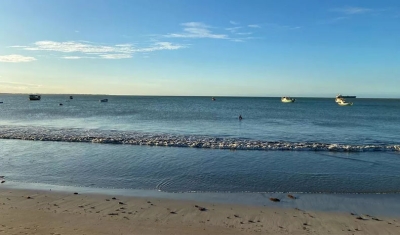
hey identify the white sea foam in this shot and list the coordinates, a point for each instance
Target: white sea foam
(134, 138)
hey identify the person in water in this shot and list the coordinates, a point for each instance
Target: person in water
(240, 117)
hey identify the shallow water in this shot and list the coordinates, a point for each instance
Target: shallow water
(198, 170)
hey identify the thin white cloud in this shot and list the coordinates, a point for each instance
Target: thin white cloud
(243, 39)
(17, 46)
(352, 10)
(278, 26)
(116, 56)
(237, 40)
(244, 33)
(119, 51)
(233, 22)
(158, 46)
(20, 84)
(16, 58)
(72, 57)
(73, 46)
(197, 30)
(233, 29)
(254, 26)
(334, 20)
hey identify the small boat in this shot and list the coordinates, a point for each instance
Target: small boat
(287, 99)
(1, 102)
(104, 100)
(343, 102)
(71, 97)
(337, 100)
(34, 97)
(213, 99)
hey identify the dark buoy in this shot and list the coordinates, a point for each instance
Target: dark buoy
(61, 104)
(240, 118)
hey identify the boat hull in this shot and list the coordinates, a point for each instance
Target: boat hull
(345, 104)
(288, 101)
(35, 97)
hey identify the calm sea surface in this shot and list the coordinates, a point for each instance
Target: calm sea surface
(312, 145)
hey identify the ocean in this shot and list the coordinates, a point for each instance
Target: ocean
(194, 144)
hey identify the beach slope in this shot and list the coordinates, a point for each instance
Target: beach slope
(40, 212)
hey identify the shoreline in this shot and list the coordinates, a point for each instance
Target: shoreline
(46, 212)
(385, 204)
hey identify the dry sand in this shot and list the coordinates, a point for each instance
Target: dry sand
(40, 212)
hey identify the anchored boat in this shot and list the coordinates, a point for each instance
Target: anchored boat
(287, 99)
(343, 102)
(337, 100)
(35, 97)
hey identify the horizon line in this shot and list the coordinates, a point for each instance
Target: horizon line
(228, 96)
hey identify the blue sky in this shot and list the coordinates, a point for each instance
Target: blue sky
(201, 47)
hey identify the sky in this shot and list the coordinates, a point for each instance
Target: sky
(261, 48)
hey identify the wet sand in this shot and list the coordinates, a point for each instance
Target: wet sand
(46, 212)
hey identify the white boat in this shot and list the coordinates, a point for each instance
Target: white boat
(343, 102)
(104, 100)
(338, 99)
(287, 99)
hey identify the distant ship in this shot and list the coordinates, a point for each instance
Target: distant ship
(345, 96)
(34, 97)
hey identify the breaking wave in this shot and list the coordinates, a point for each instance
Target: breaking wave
(134, 138)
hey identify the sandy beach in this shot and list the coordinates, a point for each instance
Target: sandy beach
(46, 212)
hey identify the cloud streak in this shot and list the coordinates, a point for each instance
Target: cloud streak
(283, 27)
(254, 26)
(18, 85)
(334, 20)
(233, 29)
(16, 58)
(352, 10)
(196, 30)
(92, 50)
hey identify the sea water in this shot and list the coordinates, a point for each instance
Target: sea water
(194, 144)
